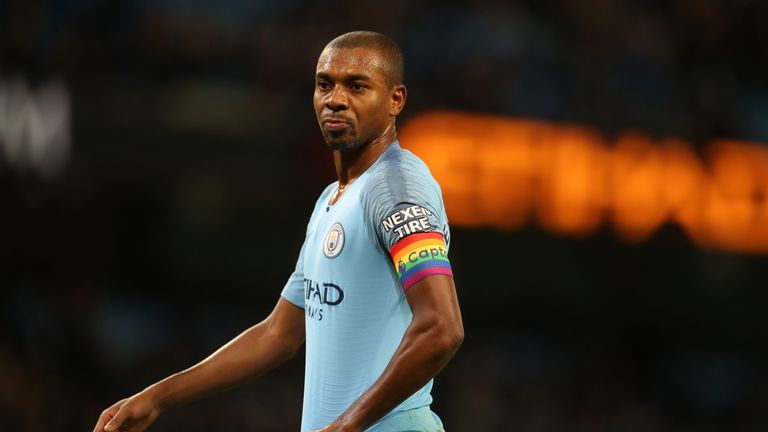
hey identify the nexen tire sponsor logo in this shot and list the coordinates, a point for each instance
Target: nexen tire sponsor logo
(408, 221)
(316, 295)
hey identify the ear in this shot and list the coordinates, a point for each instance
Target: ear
(397, 100)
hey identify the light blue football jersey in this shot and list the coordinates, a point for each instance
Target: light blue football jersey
(356, 311)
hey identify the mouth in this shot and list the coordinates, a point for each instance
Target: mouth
(335, 124)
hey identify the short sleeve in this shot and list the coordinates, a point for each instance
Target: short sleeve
(406, 219)
(294, 288)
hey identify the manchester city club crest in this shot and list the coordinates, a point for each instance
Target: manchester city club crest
(334, 241)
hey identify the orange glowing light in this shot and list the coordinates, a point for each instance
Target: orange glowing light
(504, 173)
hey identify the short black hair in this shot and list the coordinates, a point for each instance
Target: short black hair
(387, 48)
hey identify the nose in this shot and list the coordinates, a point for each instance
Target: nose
(337, 99)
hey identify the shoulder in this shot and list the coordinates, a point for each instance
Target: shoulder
(400, 176)
(399, 161)
(400, 198)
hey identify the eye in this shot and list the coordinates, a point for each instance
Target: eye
(323, 85)
(357, 86)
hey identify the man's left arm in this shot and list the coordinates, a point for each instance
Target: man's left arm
(434, 335)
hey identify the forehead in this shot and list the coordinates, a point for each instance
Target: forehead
(351, 61)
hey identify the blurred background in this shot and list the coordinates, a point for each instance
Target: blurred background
(159, 161)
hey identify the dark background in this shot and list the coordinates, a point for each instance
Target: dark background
(168, 213)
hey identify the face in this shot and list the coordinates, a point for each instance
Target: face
(354, 102)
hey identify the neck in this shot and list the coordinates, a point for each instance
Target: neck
(352, 164)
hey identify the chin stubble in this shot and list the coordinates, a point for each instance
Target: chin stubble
(344, 145)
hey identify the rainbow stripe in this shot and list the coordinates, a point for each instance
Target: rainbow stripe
(418, 256)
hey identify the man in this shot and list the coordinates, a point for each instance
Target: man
(372, 293)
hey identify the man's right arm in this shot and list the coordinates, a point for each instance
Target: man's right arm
(253, 353)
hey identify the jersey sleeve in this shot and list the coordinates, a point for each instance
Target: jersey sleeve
(408, 222)
(293, 291)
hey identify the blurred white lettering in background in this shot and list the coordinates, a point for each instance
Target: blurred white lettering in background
(35, 125)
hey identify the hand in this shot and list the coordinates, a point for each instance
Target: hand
(134, 414)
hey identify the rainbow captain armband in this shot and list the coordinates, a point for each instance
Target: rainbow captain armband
(420, 255)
